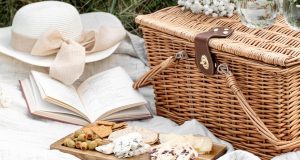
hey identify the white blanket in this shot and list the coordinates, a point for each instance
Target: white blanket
(25, 137)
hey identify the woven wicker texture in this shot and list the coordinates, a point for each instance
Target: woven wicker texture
(264, 63)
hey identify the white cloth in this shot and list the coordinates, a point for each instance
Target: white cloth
(239, 155)
(25, 137)
(288, 156)
(28, 137)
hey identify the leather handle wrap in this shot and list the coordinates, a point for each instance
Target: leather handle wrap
(205, 61)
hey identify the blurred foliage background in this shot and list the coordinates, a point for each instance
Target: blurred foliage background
(125, 10)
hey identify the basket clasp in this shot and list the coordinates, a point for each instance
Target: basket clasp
(205, 61)
(182, 55)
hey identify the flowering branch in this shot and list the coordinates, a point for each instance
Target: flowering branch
(209, 7)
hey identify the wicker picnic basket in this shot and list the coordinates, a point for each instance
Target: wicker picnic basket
(252, 96)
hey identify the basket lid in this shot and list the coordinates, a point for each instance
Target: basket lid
(277, 45)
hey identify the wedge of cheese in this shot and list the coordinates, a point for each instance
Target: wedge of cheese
(167, 151)
(201, 144)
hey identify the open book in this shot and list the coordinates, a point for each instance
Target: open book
(105, 96)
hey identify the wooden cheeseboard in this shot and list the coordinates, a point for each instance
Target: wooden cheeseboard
(216, 152)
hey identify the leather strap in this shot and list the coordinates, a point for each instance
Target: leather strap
(204, 60)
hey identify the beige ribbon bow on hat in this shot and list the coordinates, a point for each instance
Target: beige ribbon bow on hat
(69, 62)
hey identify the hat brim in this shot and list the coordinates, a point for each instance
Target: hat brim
(89, 21)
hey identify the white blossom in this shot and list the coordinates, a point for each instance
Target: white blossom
(206, 7)
(197, 7)
(207, 2)
(209, 7)
(230, 7)
(230, 14)
(215, 8)
(181, 2)
(216, 3)
(188, 4)
(215, 15)
(221, 3)
(223, 13)
(221, 8)
(210, 10)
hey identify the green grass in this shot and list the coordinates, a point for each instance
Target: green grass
(125, 10)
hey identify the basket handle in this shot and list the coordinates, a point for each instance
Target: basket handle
(258, 123)
(232, 84)
(145, 79)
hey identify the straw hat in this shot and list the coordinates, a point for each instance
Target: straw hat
(53, 34)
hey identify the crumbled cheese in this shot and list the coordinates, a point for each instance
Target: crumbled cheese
(106, 149)
(129, 145)
(168, 151)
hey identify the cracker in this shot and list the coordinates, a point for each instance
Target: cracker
(102, 131)
(89, 125)
(87, 129)
(114, 130)
(105, 123)
(119, 125)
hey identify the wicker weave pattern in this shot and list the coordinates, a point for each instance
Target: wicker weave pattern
(183, 93)
(277, 45)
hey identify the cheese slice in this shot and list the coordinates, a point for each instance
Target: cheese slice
(169, 151)
(201, 144)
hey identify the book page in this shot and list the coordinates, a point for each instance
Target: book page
(44, 105)
(139, 112)
(47, 110)
(108, 91)
(59, 93)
